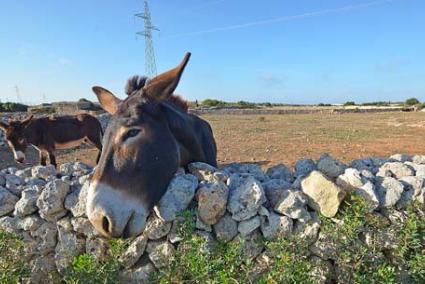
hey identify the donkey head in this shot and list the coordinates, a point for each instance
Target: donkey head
(139, 157)
(15, 136)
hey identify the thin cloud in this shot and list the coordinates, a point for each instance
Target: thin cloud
(65, 61)
(285, 18)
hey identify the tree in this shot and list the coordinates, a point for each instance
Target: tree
(412, 101)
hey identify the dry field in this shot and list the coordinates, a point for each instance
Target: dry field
(272, 139)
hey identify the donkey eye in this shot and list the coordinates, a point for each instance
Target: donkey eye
(131, 133)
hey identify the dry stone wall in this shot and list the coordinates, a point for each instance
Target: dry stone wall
(46, 207)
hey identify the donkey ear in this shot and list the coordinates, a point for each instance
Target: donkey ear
(27, 120)
(107, 100)
(162, 86)
(3, 126)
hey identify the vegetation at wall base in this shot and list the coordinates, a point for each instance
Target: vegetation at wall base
(88, 269)
(13, 265)
(356, 235)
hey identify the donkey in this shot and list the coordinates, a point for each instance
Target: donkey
(149, 136)
(50, 133)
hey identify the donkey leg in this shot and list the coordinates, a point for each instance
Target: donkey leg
(52, 159)
(96, 141)
(43, 157)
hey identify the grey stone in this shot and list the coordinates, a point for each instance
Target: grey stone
(252, 169)
(324, 248)
(252, 245)
(76, 201)
(201, 225)
(25, 173)
(304, 167)
(401, 158)
(51, 200)
(156, 228)
(245, 198)
(134, 251)
(98, 247)
(212, 201)
(351, 179)
(7, 201)
(69, 246)
(330, 167)
(43, 172)
(46, 236)
(30, 223)
(248, 226)
(395, 169)
(275, 189)
(419, 159)
(28, 202)
(280, 171)
(202, 171)
(275, 226)
(292, 204)
(368, 192)
(389, 191)
(83, 226)
(226, 228)
(179, 194)
(139, 275)
(160, 252)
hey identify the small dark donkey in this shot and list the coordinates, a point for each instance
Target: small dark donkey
(150, 135)
(48, 134)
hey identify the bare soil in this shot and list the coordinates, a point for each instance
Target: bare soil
(273, 139)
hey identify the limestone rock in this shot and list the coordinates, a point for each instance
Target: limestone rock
(389, 191)
(304, 167)
(202, 171)
(251, 169)
(292, 204)
(275, 226)
(43, 172)
(76, 201)
(351, 179)
(7, 201)
(323, 195)
(280, 171)
(212, 202)
(156, 228)
(179, 194)
(246, 197)
(160, 252)
(248, 226)
(275, 189)
(134, 251)
(28, 202)
(51, 200)
(226, 228)
(395, 169)
(330, 167)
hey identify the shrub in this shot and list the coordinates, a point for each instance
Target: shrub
(13, 107)
(412, 102)
(88, 269)
(13, 263)
(212, 103)
(244, 104)
(350, 103)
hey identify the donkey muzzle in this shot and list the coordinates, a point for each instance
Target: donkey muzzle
(113, 213)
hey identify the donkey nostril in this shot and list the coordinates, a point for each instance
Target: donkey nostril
(105, 224)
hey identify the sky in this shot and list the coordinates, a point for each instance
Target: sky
(296, 52)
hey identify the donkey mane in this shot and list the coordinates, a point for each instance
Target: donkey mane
(136, 83)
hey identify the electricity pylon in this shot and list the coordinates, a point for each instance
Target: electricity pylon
(150, 64)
